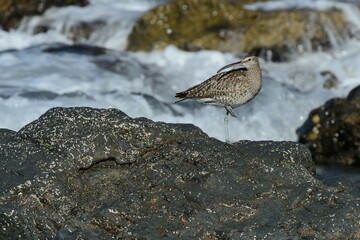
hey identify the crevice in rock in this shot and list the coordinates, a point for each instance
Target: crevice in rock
(104, 163)
(148, 153)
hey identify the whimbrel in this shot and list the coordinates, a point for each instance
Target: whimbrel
(230, 89)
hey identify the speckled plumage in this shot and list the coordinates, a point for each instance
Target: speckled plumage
(228, 89)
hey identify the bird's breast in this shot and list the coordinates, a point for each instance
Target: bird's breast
(245, 91)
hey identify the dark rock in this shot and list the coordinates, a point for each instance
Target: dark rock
(48, 95)
(81, 49)
(332, 131)
(6, 135)
(228, 26)
(82, 173)
(83, 30)
(6, 91)
(12, 11)
(39, 95)
(354, 94)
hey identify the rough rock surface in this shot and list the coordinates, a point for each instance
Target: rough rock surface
(12, 11)
(82, 173)
(332, 131)
(226, 25)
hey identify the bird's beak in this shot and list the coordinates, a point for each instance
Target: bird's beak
(233, 66)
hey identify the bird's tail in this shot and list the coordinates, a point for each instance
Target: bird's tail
(181, 96)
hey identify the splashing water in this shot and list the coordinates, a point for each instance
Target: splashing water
(34, 79)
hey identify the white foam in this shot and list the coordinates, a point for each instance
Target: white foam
(319, 5)
(114, 19)
(291, 90)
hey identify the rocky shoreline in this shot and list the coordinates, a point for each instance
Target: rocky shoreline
(99, 174)
(85, 173)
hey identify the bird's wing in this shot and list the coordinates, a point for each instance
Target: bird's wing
(198, 90)
(216, 85)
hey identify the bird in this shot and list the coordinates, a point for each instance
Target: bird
(232, 86)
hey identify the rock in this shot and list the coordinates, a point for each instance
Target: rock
(82, 173)
(6, 135)
(330, 79)
(76, 32)
(12, 11)
(332, 131)
(81, 49)
(227, 26)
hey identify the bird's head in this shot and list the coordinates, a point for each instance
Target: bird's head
(245, 64)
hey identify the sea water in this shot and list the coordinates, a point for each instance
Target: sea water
(143, 84)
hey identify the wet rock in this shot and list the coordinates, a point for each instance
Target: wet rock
(6, 134)
(330, 79)
(12, 11)
(48, 95)
(99, 174)
(81, 49)
(83, 30)
(76, 32)
(354, 94)
(332, 131)
(39, 95)
(227, 26)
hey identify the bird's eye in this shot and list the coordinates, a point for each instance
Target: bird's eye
(249, 59)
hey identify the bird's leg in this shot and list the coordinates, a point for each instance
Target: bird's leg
(230, 110)
(226, 122)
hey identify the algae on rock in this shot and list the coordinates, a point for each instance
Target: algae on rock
(228, 26)
(332, 131)
(12, 11)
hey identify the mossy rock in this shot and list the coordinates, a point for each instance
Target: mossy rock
(227, 26)
(12, 11)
